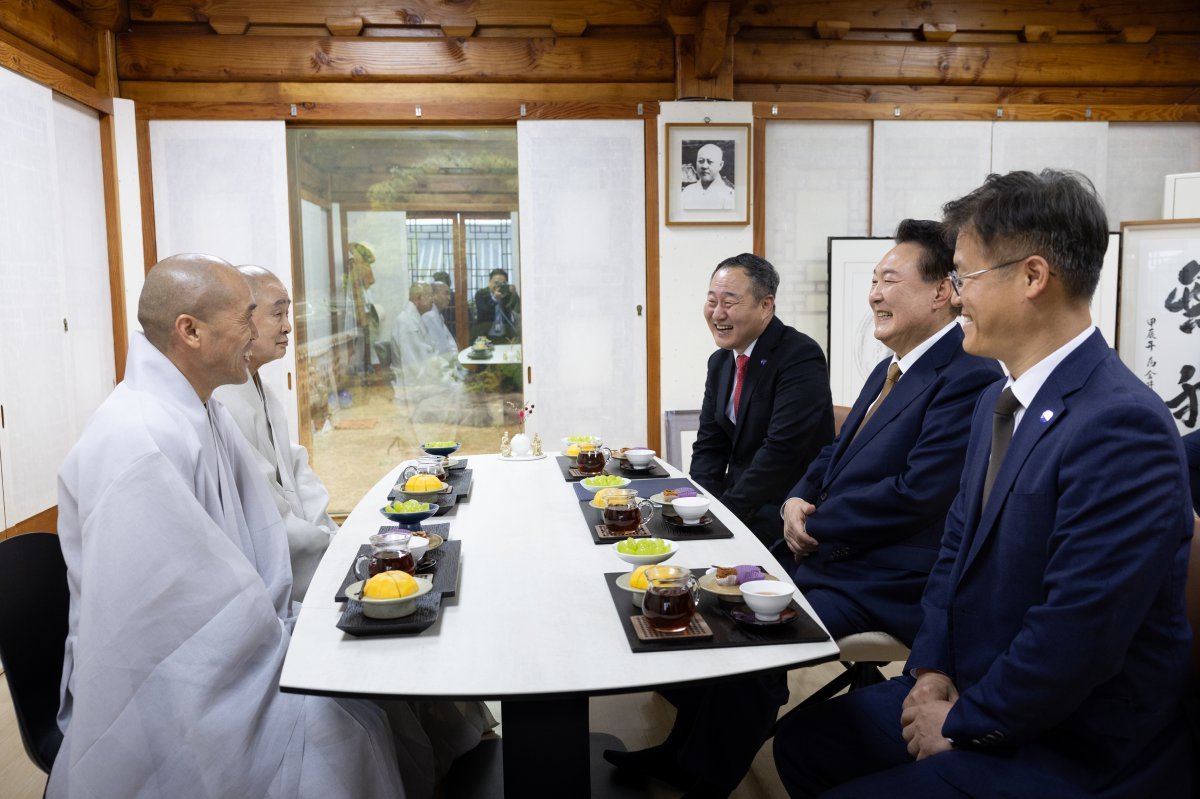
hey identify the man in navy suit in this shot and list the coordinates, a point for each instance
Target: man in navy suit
(865, 522)
(767, 408)
(1053, 657)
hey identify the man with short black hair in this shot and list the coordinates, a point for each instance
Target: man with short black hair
(497, 308)
(1054, 653)
(865, 522)
(767, 411)
(767, 408)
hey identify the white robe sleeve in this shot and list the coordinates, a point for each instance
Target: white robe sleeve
(298, 493)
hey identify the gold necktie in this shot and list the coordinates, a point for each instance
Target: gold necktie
(893, 376)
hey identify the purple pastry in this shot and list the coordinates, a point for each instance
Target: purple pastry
(747, 574)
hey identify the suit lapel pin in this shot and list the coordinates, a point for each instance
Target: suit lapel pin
(763, 362)
(1047, 416)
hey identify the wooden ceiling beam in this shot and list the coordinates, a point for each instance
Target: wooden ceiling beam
(459, 27)
(105, 15)
(287, 58)
(832, 28)
(978, 95)
(568, 26)
(50, 27)
(938, 33)
(965, 111)
(1136, 34)
(537, 13)
(997, 64)
(344, 26)
(324, 93)
(1039, 34)
(711, 39)
(979, 15)
(229, 25)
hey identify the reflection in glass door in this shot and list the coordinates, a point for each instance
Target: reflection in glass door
(407, 292)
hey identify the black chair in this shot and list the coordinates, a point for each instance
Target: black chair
(34, 602)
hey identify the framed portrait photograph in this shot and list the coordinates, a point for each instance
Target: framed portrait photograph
(1159, 333)
(708, 174)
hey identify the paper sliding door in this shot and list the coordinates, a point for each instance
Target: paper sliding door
(583, 270)
(221, 188)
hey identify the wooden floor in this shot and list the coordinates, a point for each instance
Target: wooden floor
(18, 776)
(639, 720)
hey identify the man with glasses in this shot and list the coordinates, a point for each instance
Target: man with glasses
(1053, 656)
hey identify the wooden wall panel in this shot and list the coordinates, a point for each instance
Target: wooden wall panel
(989, 15)
(47, 25)
(948, 64)
(413, 12)
(245, 58)
(23, 62)
(1031, 95)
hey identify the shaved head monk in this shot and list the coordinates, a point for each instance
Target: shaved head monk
(177, 562)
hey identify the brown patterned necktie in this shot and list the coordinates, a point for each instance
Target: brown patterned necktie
(893, 376)
(1003, 421)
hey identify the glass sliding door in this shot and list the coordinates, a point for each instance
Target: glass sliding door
(404, 258)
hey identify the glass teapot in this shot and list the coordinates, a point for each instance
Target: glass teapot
(426, 464)
(671, 598)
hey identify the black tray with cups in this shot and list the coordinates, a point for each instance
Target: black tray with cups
(440, 565)
(661, 525)
(572, 474)
(719, 620)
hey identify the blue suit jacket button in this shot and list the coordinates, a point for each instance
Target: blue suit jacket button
(823, 496)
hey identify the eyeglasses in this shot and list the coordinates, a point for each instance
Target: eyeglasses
(957, 280)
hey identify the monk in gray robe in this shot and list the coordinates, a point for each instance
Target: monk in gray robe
(300, 496)
(177, 562)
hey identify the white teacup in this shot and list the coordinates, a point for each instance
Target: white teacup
(640, 458)
(690, 509)
(767, 598)
(418, 545)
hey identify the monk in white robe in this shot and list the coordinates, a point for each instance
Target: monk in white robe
(177, 562)
(419, 360)
(435, 322)
(299, 494)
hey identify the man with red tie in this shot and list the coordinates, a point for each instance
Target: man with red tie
(767, 408)
(767, 412)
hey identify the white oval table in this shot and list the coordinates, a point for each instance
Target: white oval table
(532, 623)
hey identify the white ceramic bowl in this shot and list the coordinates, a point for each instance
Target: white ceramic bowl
(767, 598)
(647, 560)
(635, 594)
(584, 482)
(691, 509)
(388, 608)
(639, 458)
(418, 545)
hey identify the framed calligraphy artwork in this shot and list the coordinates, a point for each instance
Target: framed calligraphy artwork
(1159, 333)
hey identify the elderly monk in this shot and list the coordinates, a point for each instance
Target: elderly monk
(177, 562)
(299, 495)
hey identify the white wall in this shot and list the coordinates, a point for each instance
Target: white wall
(687, 257)
(129, 201)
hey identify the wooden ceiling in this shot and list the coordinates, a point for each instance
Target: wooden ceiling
(464, 59)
